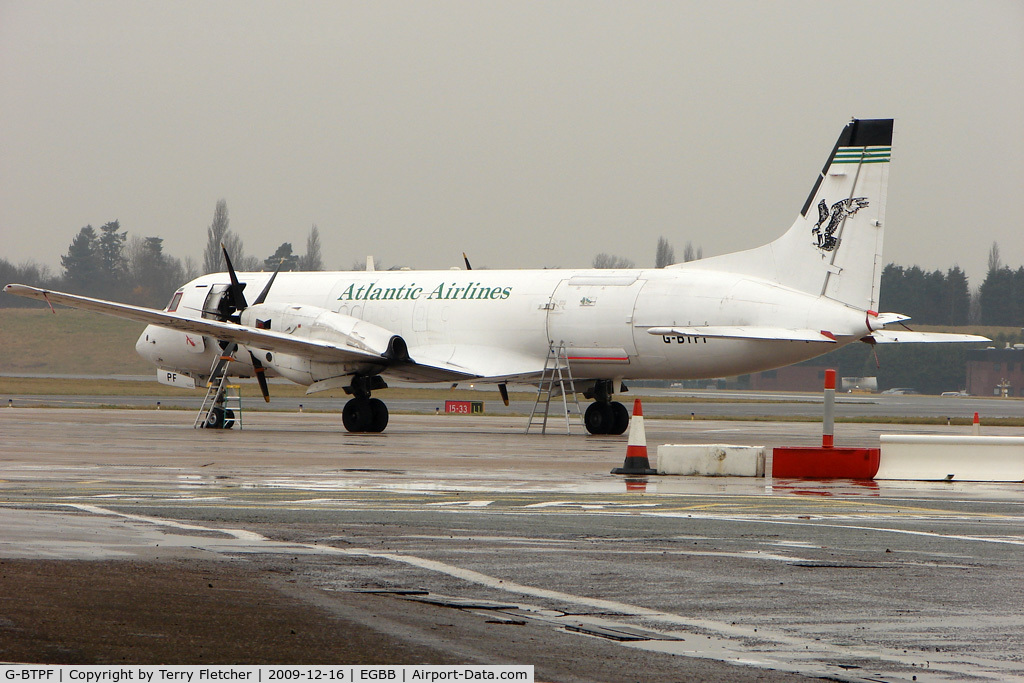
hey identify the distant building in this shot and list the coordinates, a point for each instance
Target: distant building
(792, 378)
(996, 372)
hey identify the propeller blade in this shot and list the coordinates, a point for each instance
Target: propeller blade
(260, 376)
(266, 290)
(237, 297)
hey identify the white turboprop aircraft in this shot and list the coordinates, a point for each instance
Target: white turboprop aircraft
(809, 292)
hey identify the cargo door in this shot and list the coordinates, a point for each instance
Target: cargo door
(593, 316)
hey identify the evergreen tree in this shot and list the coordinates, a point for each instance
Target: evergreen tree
(283, 257)
(83, 263)
(165, 272)
(999, 297)
(928, 298)
(957, 298)
(111, 249)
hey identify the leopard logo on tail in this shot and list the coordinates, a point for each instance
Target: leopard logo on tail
(825, 237)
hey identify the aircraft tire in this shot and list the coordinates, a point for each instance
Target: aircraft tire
(378, 415)
(357, 415)
(215, 418)
(620, 418)
(229, 418)
(599, 418)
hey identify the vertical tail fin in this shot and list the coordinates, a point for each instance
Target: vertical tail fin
(834, 248)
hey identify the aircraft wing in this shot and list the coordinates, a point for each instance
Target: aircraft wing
(746, 332)
(909, 337)
(314, 349)
(485, 362)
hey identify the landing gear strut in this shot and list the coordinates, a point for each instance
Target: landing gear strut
(605, 416)
(362, 413)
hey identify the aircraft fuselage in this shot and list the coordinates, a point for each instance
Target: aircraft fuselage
(504, 322)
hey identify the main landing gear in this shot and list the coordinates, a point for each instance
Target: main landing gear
(362, 413)
(605, 416)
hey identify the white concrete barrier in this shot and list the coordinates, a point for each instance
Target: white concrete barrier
(711, 460)
(922, 457)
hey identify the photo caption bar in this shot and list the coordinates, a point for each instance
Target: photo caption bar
(195, 673)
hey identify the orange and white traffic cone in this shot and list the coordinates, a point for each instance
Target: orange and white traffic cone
(636, 447)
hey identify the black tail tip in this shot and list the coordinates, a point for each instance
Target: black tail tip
(868, 133)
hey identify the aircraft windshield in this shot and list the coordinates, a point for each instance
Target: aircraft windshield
(175, 300)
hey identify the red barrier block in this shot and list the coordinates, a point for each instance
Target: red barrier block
(796, 462)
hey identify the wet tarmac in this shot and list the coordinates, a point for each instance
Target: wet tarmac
(668, 403)
(779, 579)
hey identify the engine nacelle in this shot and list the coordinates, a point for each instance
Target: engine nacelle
(321, 324)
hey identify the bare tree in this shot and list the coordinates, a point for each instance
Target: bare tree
(153, 275)
(665, 255)
(312, 259)
(220, 233)
(190, 269)
(604, 260)
(690, 255)
(994, 261)
(215, 236)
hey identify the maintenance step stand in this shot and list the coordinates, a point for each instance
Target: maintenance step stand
(215, 412)
(556, 370)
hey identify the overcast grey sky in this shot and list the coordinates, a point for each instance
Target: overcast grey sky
(527, 134)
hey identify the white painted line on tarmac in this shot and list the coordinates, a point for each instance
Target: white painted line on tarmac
(1005, 540)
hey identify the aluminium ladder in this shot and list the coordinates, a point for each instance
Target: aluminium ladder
(556, 371)
(219, 394)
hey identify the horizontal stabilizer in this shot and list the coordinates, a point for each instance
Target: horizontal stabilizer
(746, 332)
(908, 337)
(883, 319)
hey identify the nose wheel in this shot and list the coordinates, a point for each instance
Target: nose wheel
(220, 418)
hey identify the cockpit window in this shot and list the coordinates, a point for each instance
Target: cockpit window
(175, 300)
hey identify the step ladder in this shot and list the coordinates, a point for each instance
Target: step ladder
(222, 406)
(556, 372)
